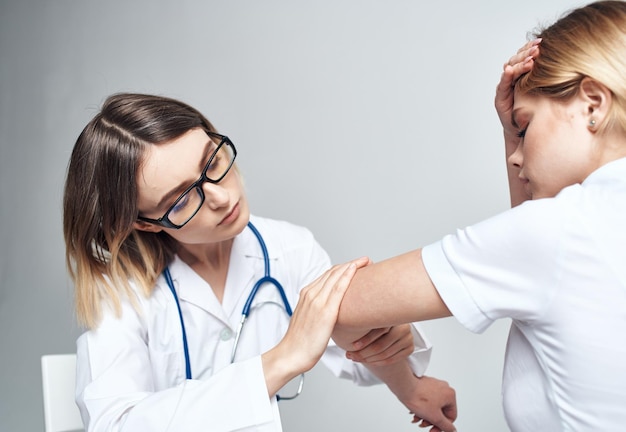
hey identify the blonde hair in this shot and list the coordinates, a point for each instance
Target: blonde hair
(104, 254)
(586, 42)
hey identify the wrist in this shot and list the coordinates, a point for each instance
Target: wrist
(279, 368)
(397, 376)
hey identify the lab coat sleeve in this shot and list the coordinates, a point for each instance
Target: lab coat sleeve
(335, 359)
(116, 391)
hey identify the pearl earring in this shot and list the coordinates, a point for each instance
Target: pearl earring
(592, 123)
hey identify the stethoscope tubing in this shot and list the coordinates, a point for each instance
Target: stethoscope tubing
(170, 283)
(267, 278)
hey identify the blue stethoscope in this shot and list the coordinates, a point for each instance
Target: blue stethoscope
(266, 279)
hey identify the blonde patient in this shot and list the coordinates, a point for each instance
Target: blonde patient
(554, 263)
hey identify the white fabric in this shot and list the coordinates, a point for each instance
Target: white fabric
(557, 267)
(131, 370)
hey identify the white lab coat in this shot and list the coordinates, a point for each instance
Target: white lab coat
(131, 369)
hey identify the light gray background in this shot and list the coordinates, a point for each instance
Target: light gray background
(370, 122)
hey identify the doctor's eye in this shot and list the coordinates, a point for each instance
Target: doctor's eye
(215, 163)
(181, 203)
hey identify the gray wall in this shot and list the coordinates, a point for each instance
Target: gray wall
(370, 122)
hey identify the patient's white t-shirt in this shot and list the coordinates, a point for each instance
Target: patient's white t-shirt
(557, 268)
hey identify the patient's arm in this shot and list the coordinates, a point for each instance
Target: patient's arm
(521, 63)
(428, 399)
(391, 292)
(388, 293)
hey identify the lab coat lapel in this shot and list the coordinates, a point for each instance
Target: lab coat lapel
(191, 288)
(245, 267)
(242, 273)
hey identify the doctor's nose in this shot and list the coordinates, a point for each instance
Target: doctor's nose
(215, 195)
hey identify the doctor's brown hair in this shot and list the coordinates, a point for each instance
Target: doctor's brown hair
(589, 41)
(104, 253)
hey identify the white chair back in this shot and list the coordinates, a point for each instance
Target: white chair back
(58, 373)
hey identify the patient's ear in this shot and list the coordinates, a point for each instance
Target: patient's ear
(147, 226)
(598, 99)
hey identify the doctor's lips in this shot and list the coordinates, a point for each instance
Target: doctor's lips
(231, 216)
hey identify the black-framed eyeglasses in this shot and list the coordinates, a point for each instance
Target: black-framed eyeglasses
(189, 202)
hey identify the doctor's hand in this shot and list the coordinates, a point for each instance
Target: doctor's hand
(383, 346)
(310, 326)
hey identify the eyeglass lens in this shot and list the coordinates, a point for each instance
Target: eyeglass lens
(188, 204)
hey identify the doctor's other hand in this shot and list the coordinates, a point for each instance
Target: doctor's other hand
(310, 326)
(383, 346)
(431, 399)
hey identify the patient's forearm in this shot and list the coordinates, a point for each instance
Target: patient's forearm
(396, 376)
(390, 293)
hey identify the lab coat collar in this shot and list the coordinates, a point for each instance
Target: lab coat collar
(245, 267)
(243, 271)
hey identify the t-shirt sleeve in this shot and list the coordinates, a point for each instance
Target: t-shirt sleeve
(503, 267)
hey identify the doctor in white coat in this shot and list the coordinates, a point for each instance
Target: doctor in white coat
(165, 255)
